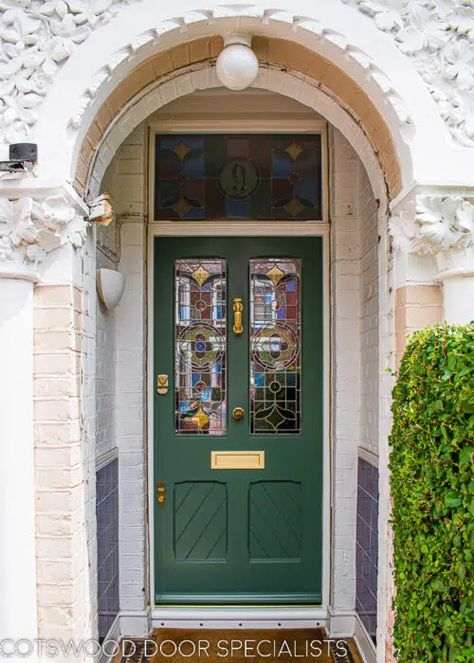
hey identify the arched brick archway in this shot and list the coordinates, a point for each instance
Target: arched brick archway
(286, 67)
(122, 61)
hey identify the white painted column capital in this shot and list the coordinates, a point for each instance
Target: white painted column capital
(441, 227)
(33, 224)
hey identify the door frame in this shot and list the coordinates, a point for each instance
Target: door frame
(252, 616)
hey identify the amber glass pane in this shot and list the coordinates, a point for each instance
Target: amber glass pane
(200, 373)
(275, 346)
(238, 176)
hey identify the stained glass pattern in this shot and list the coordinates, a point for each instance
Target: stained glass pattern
(275, 346)
(200, 371)
(238, 176)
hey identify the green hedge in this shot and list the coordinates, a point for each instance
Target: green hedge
(432, 484)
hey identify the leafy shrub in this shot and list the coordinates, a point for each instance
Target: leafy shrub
(432, 485)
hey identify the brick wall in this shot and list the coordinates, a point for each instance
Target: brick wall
(62, 466)
(105, 372)
(345, 273)
(355, 334)
(369, 313)
(125, 181)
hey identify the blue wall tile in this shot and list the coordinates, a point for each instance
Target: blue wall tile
(367, 545)
(107, 513)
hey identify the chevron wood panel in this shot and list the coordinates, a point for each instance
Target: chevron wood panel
(200, 522)
(275, 520)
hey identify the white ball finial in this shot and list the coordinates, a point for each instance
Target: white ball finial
(237, 64)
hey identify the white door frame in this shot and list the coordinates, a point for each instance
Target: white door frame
(242, 616)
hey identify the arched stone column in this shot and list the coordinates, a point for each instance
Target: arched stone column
(17, 486)
(31, 228)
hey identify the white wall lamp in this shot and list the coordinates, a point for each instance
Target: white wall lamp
(237, 64)
(110, 287)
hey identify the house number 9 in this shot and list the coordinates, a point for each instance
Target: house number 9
(238, 178)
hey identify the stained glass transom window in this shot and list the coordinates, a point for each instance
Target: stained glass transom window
(275, 346)
(238, 176)
(200, 367)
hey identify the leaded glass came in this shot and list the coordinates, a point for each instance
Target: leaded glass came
(200, 335)
(275, 346)
(238, 176)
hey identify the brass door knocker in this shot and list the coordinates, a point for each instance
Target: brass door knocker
(237, 308)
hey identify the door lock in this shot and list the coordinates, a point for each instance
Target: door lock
(238, 413)
(162, 384)
(161, 493)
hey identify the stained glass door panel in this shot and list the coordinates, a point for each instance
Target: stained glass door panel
(253, 534)
(275, 346)
(200, 346)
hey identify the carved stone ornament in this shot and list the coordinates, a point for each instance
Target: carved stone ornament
(30, 228)
(36, 38)
(438, 36)
(434, 224)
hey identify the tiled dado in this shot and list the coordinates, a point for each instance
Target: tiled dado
(107, 511)
(367, 545)
(415, 307)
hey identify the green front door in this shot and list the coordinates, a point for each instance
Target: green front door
(238, 509)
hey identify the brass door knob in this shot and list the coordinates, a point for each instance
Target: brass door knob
(238, 413)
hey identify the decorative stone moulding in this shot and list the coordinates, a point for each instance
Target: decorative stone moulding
(30, 228)
(437, 36)
(279, 17)
(431, 224)
(38, 37)
(110, 287)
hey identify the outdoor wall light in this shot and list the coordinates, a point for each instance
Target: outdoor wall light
(110, 287)
(100, 210)
(237, 64)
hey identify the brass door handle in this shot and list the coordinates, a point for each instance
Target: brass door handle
(237, 308)
(238, 413)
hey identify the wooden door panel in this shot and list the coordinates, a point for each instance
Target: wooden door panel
(200, 521)
(275, 520)
(239, 535)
